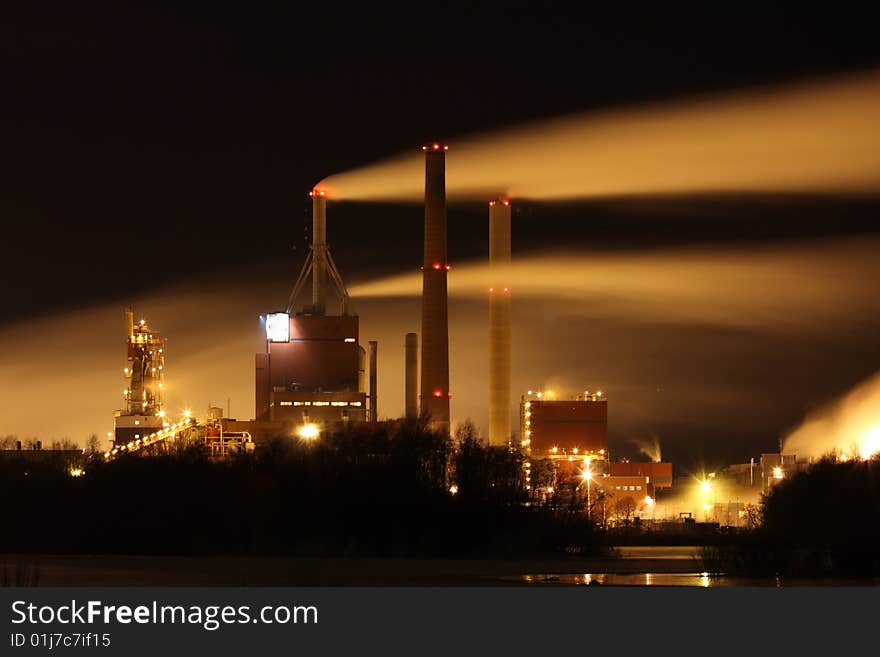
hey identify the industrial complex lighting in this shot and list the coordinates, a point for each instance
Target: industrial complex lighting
(278, 327)
(705, 486)
(778, 473)
(76, 472)
(649, 500)
(870, 443)
(308, 431)
(453, 489)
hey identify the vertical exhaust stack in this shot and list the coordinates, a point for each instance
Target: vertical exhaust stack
(374, 368)
(499, 323)
(435, 318)
(411, 376)
(319, 251)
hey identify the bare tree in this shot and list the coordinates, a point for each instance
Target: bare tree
(624, 508)
(93, 446)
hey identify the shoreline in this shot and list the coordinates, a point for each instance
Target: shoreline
(141, 570)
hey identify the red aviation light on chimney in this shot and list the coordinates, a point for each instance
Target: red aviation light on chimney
(436, 265)
(448, 267)
(319, 192)
(436, 146)
(438, 393)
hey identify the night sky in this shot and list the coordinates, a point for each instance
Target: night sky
(191, 135)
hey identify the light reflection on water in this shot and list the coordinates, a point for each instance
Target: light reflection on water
(646, 579)
(702, 580)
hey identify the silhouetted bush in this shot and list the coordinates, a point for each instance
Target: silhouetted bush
(365, 491)
(826, 520)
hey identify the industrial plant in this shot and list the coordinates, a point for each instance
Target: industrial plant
(314, 376)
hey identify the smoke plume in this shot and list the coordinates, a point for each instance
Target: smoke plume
(848, 427)
(821, 137)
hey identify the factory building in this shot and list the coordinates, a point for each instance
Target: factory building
(553, 427)
(658, 474)
(624, 496)
(143, 412)
(311, 375)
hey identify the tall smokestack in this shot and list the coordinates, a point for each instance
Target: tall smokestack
(319, 251)
(374, 411)
(435, 318)
(499, 323)
(411, 375)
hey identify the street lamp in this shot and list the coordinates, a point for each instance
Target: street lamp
(587, 476)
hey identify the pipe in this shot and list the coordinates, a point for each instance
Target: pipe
(435, 320)
(499, 323)
(129, 322)
(319, 251)
(374, 411)
(411, 383)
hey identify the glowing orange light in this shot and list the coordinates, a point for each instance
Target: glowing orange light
(436, 265)
(491, 203)
(436, 147)
(491, 289)
(506, 202)
(448, 267)
(438, 393)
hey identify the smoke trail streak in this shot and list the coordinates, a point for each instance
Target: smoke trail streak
(818, 137)
(791, 288)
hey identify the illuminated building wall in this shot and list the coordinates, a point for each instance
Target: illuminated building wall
(554, 427)
(659, 474)
(312, 372)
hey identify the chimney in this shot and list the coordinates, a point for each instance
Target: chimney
(411, 383)
(435, 321)
(319, 251)
(499, 323)
(374, 348)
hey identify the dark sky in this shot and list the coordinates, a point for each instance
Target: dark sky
(144, 143)
(134, 127)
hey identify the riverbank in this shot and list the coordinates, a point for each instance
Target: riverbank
(116, 570)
